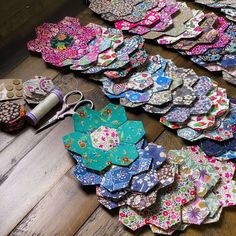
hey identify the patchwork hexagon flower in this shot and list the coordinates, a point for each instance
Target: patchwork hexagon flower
(104, 138)
(65, 40)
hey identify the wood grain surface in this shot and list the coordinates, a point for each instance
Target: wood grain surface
(39, 196)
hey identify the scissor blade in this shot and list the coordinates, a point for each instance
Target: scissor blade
(47, 124)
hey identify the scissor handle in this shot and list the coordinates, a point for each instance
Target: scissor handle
(79, 103)
(72, 111)
(74, 92)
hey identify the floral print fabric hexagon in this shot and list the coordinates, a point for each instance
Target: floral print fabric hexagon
(105, 138)
(118, 8)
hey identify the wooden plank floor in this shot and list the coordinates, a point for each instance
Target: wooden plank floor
(38, 195)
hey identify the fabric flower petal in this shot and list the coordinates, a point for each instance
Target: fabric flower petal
(114, 115)
(122, 155)
(131, 131)
(86, 120)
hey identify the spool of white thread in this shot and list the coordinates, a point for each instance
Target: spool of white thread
(35, 115)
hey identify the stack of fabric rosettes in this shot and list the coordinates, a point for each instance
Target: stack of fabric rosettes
(167, 191)
(193, 105)
(208, 39)
(228, 7)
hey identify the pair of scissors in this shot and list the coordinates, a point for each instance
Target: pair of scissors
(68, 109)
